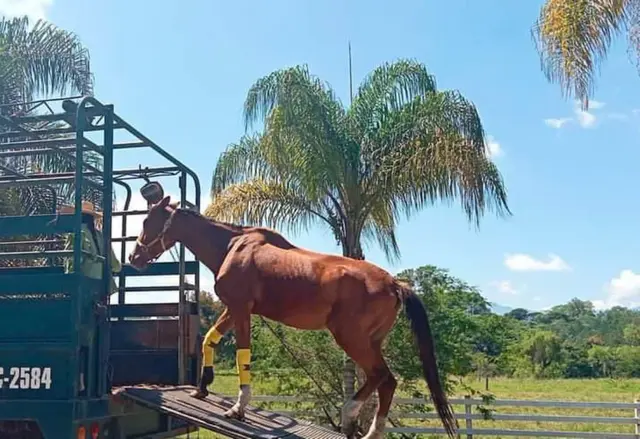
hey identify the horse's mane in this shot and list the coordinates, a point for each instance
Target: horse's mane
(195, 213)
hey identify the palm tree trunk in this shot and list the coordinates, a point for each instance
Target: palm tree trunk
(353, 250)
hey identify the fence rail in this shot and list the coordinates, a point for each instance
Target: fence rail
(466, 419)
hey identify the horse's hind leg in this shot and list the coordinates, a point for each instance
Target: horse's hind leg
(368, 355)
(209, 343)
(386, 389)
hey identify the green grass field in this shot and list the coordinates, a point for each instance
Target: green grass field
(502, 388)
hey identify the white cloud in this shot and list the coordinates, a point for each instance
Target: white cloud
(34, 9)
(623, 290)
(557, 123)
(492, 147)
(584, 118)
(524, 262)
(506, 287)
(593, 105)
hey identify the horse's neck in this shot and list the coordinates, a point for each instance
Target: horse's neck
(208, 241)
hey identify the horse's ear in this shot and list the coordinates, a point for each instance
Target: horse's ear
(164, 202)
(174, 205)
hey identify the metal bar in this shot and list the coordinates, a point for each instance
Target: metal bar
(55, 117)
(43, 151)
(35, 225)
(42, 101)
(43, 253)
(156, 288)
(145, 310)
(38, 143)
(127, 213)
(123, 249)
(160, 151)
(35, 181)
(159, 269)
(119, 173)
(50, 132)
(130, 145)
(44, 241)
(125, 239)
(35, 254)
(106, 194)
(183, 328)
(107, 275)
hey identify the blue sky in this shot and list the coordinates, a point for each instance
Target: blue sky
(179, 72)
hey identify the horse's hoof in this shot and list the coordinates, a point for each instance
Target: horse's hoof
(350, 430)
(233, 414)
(199, 394)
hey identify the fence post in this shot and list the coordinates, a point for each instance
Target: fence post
(637, 418)
(467, 416)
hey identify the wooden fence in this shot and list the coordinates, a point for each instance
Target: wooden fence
(466, 419)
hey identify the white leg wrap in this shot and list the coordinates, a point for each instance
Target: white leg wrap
(350, 411)
(244, 396)
(376, 431)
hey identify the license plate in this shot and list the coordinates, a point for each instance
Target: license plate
(25, 377)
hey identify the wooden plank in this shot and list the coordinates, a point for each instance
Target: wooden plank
(209, 414)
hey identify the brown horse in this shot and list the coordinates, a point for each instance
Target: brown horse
(257, 271)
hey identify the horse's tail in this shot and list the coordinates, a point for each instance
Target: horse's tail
(417, 315)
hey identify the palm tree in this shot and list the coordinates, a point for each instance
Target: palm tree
(40, 60)
(574, 36)
(401, 145)
(36, 62)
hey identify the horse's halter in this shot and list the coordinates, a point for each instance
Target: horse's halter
(146, 248)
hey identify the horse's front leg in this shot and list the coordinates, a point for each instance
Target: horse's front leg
(209, 343)
(242, 320)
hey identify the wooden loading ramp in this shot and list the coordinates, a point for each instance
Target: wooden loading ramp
(209, 414)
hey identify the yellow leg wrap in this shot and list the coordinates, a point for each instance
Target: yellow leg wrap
(243, 361)
(211, 339)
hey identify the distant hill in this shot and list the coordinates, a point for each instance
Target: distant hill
(500, 309)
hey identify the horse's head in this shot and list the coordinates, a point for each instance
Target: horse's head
(153, 239)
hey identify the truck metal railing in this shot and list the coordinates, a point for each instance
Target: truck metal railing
(32, 136)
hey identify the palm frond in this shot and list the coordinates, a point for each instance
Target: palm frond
(380, 225)
(271, 204)
(573, 36)
(387, 89)
(434, 149)
(50, 60)
(633, 37)
(242, 161)
(304, 129)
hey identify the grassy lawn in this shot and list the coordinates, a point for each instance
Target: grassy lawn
(503, 388)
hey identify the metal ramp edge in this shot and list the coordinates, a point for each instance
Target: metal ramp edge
(209, 414)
